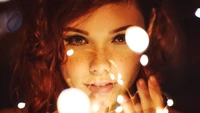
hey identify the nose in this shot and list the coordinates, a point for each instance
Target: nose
(100, 65)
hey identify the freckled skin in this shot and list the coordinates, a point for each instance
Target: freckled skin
(100, 51)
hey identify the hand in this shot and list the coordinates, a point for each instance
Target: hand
(150, 98)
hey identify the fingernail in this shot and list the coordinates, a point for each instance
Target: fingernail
(153, 80)
(141, 83)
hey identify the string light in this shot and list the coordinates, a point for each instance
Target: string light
(137, 39)
(73, 100)
(120, 99)
(120, 82)
(95, 107)
(170, 102)
(197, 13)
(70, 52)
(144, 60)
(21, 105)
(118, 109)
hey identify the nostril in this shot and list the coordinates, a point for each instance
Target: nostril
(99, 66)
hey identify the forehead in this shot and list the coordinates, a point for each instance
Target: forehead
(110, 16)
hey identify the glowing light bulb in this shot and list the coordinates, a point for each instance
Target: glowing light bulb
(166, 110)
(70, 52)
(112, 76)
(118, 109)
(119, 76)
(73, 100)
(95, 107)
(120, 82)
(120, 99)
(137, 39)
(197, 13)
(159, 110)
(170, 102)
(21, 105)
(144, 60)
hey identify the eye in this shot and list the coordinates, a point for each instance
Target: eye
(119, 39)
(75, 40)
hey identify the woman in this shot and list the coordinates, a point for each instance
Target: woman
(95, 31)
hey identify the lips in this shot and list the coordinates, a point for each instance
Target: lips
(101, 87)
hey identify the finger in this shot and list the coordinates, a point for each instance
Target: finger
(145, 98)
(136, 103)
(155, 92)
(127, 105)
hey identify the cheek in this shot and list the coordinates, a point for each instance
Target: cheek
(128, 66)
(76, 65)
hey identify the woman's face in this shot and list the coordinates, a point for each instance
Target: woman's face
(101, 54)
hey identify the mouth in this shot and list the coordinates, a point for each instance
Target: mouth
(101, 87)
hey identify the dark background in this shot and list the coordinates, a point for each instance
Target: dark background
(182, 85)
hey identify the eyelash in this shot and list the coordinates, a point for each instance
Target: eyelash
(78, 40)
(120, 39)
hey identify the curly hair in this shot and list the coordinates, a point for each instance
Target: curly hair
(37, 79)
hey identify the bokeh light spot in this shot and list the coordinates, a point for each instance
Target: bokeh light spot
(120, 82)
(170, 102)
(119, 76)
(118, 109)
(120, 99)
(70, 52)
(21, 105)
(144, 60)
(112, 76)
(137, 39)
(197, 13)
(95, 107)
(73, 100)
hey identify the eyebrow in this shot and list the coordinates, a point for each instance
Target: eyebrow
(120, 29)
(86, 33)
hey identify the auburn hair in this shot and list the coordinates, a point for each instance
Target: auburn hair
(37, 78)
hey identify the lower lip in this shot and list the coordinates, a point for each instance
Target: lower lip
(101, 89)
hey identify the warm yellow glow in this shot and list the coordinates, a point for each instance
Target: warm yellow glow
(95, 107)
(118, 109)
(112, 76)
(119, 76)
(120, 82)
(120, 99)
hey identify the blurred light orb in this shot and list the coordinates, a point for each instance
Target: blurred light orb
(144, 60)
(119, 109)
(197, 13)
(21, 105)
(73, 100)
(1, 1)
(70, 52)
(170, 102)
(119, 76)
(112, 76)
(159, 110)
(95, 107)
(166, 110)
(137, 39)
(120, 99)
(120, 82)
